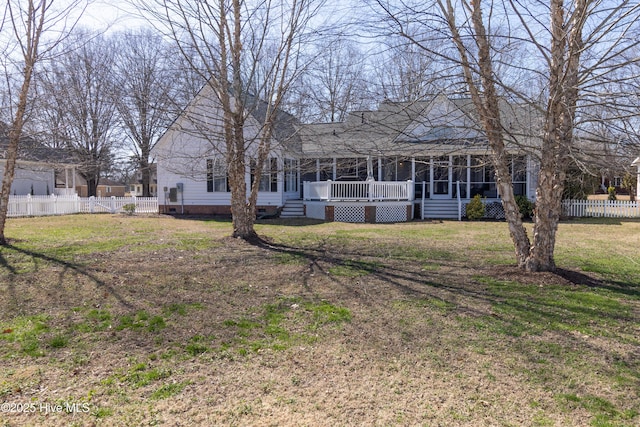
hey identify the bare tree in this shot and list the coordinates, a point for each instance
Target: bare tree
(406, 73)
(583, 43)
(81, 94)
(249, 53)
(24, 26)
(337, 80)
(149, 83)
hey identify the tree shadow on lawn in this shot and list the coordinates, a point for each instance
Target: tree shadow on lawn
(512, 272)
(579, 278)
(67, 267)
(519, 317)
(475, 298)
(414, 284)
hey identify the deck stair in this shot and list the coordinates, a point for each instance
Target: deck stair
(440, 208)
(293, 208)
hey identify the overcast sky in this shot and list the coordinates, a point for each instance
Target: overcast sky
(110, 15)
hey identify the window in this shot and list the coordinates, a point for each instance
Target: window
(326, 169)
(459, 174)
(396, 169)
(483, 180)
(347, 170)
(483, 176)
(269, 177)
(518, 168)
(217, 179)
(308, 170)
(290, 175)
(423, 175)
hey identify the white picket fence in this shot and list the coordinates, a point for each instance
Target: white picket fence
(21, 206)
(601, 208)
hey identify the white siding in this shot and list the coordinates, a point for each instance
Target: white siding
(28, 177)
(182, 152)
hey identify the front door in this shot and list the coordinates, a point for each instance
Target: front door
(441, 177)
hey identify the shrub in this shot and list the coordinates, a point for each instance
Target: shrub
(475, 208)
(129, 208)
(612, 193)
(525, 206)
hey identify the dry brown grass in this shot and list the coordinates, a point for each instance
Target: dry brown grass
(162, 321)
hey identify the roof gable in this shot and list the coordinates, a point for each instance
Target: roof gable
(442, 120)
(202, 120)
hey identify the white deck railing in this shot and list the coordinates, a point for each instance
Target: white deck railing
(359, 190)
(21, 206)
(601, 208)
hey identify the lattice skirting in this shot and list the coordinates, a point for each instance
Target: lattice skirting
(349, 214)
(391, 214)
(492, 210)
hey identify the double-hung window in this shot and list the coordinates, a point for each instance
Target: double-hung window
(290, 175)
(269, 176)
(217, 178)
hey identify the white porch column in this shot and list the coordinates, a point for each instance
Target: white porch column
(413, 168)
(335, 168)
(636, 163)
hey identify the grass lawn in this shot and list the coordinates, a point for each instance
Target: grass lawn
(130, 321)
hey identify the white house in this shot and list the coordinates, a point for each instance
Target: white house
(40, 170)
(135, 186)
(400, 161)
(191, 162)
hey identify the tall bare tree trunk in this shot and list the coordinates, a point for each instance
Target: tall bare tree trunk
(243, 212)
(249, 53)
(34, 24)
(557, 139)
(566, 49)
(12, 151)
(145, 171)
(487, 105)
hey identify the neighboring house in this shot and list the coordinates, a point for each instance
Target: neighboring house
(40, 170)
(599, 162)
(106, 188)
(403, 160)
(135, 187)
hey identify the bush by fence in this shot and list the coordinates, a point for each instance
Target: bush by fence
(21, 206)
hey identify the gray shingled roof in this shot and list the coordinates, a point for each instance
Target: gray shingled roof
(405, 128)
(285, 127)
(31, 150)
